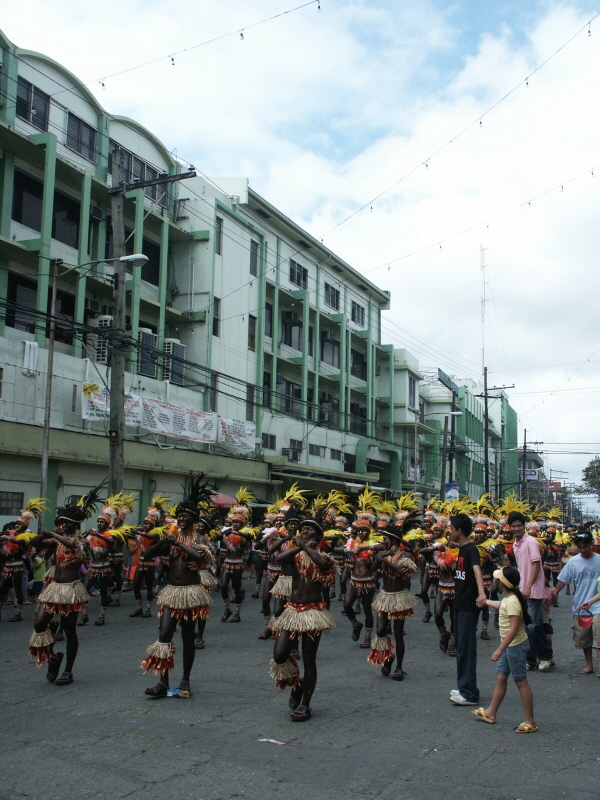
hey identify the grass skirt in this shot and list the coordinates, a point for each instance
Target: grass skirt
(62, 598)
(286, 674)
(207, 579)
(311, 618)
(282, 587)
(159, 657)
(185, 603)
(382, 649)
(40, 646)
(397, 605)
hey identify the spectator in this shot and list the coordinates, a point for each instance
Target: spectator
(584, 570)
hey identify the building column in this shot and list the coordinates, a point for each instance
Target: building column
(135, 283)
(82, 256)
(48, 142)
(275, 402)
(10, 78)
(260, 352)
(162, 283)
(7, 177)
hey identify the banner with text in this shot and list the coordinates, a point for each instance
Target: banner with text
(239, 435)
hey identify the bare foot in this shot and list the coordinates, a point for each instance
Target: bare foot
(586, 671)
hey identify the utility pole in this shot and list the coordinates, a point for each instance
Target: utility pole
(523, 464)
(486, 424)
(116, 433)
(119, 338)
(443, 467)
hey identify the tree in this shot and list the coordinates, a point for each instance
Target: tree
(591, 479)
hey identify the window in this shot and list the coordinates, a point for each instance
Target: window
(219, 236)
(269, 441)
(358, 314)
(27, 201)
(133, 168)
(298, 275)
(65, 315)
(332, 296)
(330, 352)
(358, 418)
(249, 403)
(1, 380)
(292, 330)
(214, 388)
(21, 298)
(412, 392)
(269, 320)
(266, 397)
(32, 104)
(317, 450)
(65, 220)
(11, 504)
(81, 137)
(216, 319)
(358, 364)
(296, 444)
(292, 398)
(74, 396)
(251, 332)
(253, 257)
(335, 455)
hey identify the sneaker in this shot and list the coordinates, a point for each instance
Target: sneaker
(454, 692)
(544, 666)
(459, 700)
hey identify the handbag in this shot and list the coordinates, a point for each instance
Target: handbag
(583, 621)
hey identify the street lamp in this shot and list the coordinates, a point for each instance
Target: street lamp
(416, 459)
(137, 259)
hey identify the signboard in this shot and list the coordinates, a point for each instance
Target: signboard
(530, 474)
(451, 491)
(447, 381)
(235, 434)
(158, 416)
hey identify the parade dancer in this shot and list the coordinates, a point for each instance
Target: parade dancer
(394, 604)
(305, 618)
(65, 594)
(206, 530)
(152, 530)
(235, 537)
(13, 548)
(361, 548)
(124, 506)
(183, 600)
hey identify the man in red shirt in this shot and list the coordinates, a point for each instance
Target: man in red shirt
(529, 563)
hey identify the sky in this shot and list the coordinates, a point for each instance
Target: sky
(417, 140)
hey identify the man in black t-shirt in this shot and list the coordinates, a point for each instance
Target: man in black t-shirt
(469, 598)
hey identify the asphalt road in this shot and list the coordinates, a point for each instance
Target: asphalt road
(369, 737)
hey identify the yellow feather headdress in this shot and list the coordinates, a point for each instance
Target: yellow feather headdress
(35, 507)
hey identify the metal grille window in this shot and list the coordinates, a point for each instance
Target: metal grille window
(269, 319)
(358, 418)
(269, 441)
(249, 402)
(292, 400)
(358, 314)
(219, 236)
(358, 366)
(216, 317)
(335, 455)
(81, 137)
(1, 381)
(251, 332)
(296, 444)
(298, 274)
(332, 296)
(266, 396)
(32, 104)
(135, 168)
(11, 504)
(317, 450)
(214, 389)
(412, 392)
(74, 394)
(253, 257)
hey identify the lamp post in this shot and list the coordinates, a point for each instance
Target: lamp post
(446, 415)
(136, 260)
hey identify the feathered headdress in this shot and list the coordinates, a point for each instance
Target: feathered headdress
(484, 508)
(79, 510)
(555, 514)
(367, 508)
(198, 493)
(35, 507)
(112, 507)
(157, 510)
(241, 510)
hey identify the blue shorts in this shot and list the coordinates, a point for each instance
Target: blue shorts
(513, 661)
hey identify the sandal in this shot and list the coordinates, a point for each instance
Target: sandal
(266, 634)
(65, 679)
(398, 675)
(301, 714)
(184, 686)
(366, 643)
(480, 714)
(452, 648)
(356, 629)
(525, 727)
(17, 617)
(226, 614)
(160, 690)
(137, 613)
(54, 667)
(428, 615)
(386, 667)
(199, 644)
(147, 613)
(100, 621)
(484, 635)
(444, 639)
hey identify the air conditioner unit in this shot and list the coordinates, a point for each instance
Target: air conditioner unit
(328, 336)
(173, 369)
(326, 416)
(147, 341)
(96, 342)
(92, 305)
(292, 455)
(289, 317)
(96, 214)
(278, 378)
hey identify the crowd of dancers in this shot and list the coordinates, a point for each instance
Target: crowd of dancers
(303, 555)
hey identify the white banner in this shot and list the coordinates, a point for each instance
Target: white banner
(157, 416)
(239, 435)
